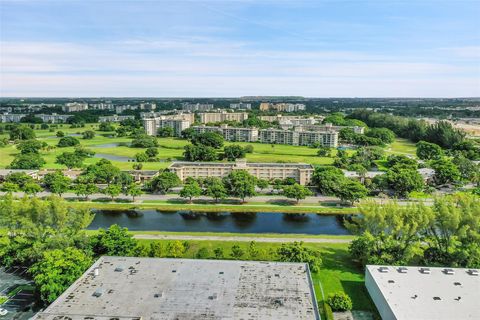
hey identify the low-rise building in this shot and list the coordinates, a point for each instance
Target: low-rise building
(11, 117)
(148, 106)
(238, 134)
(74, 107)
(213, 117)
(5, 172)
(115, 118)
(404, 293)
(102, 106)
(152, 288)
(282, 107)
(301, 172)
(120, 109)
(241, 106)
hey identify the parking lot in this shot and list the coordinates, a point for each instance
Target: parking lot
(15, 284)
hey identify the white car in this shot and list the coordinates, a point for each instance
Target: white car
(3, 312)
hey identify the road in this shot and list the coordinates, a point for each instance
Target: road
(238, 238)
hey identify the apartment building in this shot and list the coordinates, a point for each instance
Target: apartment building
(102, 106)
(282, 107)
(11, 117)
(53, 118)
(115, 118)
(241, 106)
(120, 109)
(74, 107)
(302, 173)
(231, 133)
(147, 106)
(197, 106)
(178, 115)
(329, 127)
(276, 136)
(213, 117)
(152, 125)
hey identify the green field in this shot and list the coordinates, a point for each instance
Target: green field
(338, 272)
(402, 146)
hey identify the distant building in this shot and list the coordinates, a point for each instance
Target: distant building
(6, 172)
(102, 106)
(213, 117)
(74, 107)
(282, 107)
(197, 106)
(147, 106)
(11, 117)
(115, 118)
(241, 106)
(129, 288)
(424, 293)
(238, 134)
(121, 109)
(53, 118)
(302, 173)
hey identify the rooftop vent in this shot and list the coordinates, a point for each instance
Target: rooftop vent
(437, 298)
(402, 270)
(457, 284)
(174, 271)
(448, 271)
(213, 297)
(383, 269)
(96, 271)
(98, 292)
(425, 270)
(472, 272)
(119, 269)
(391, 281)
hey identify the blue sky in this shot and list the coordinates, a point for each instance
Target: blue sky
(323, 48)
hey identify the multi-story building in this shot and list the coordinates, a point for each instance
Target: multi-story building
(302, 173)
(213, 117)
(53, 118)
(115, 118)
(102, 106)
(147, 106)
(120, 109)
(241, 106)
(152, 125)
(11, 117)
(197, 106)
(74, 107)
(132, 288)
(277, 136)
(282, 107)
(330, 127)
(238, 134)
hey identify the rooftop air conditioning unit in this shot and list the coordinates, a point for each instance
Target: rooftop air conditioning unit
(425, 270)
(472, 272)
(383, 269)
(402, 270)
(449, 271)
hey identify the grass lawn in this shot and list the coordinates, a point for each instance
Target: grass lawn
(338, 272)
(402, 146)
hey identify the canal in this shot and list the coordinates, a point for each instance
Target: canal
(245, 222)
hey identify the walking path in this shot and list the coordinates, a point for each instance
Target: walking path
(237, 238)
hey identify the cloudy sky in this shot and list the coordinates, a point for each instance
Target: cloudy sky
(322, 48)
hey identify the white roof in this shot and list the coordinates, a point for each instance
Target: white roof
(438, 293)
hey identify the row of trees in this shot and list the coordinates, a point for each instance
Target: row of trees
(445, 234)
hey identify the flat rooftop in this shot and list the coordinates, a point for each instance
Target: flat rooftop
(429, 293)
(180, 164)
(153, 288)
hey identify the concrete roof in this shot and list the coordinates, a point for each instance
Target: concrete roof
(413, 293)
(180, 164)
(153, 288)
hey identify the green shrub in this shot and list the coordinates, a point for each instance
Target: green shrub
(339, 301)
(327, 311)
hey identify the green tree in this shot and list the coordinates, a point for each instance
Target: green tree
(27, 161)
(165, 132)
(70, 160)
(351, 191)
(384, 134)
(339, 301)
(115, 241)
(215, 188)
(57, 182)
(297, 192)
(134, 190)
(175, 249)
(199, 153)
(237, 252)
(101, 172)
(297, 252)
(57, 270)
(85, 189)
(218, 253)
(324, 152)
(68, 142)
(327, 179)
(60, 134)
(151, 152)
(112, 190)
(106, 126)
(403, 180)
(208, 139)
(31, 146)
(191, 189)
(164, 182)
(428, 151)
(21, 132)
(253, 251)
(262, 184)
(446, 172)
(233, 152)
(88, 135)
(240, 183)
(10, 187)
(19, 178)
(32, 188)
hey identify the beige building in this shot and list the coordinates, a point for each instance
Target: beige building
(299, 137)
(74, 107)
(212, 117)
(301, 172)
(115, 118)
(231, 133)
(152, 125)
(282, 107)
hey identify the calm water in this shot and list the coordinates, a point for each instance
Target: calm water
(106, 145)
(261, 222)
(112, 157)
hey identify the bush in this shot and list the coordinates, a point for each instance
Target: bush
(327, 310)
(68, 142)
(339, 301)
